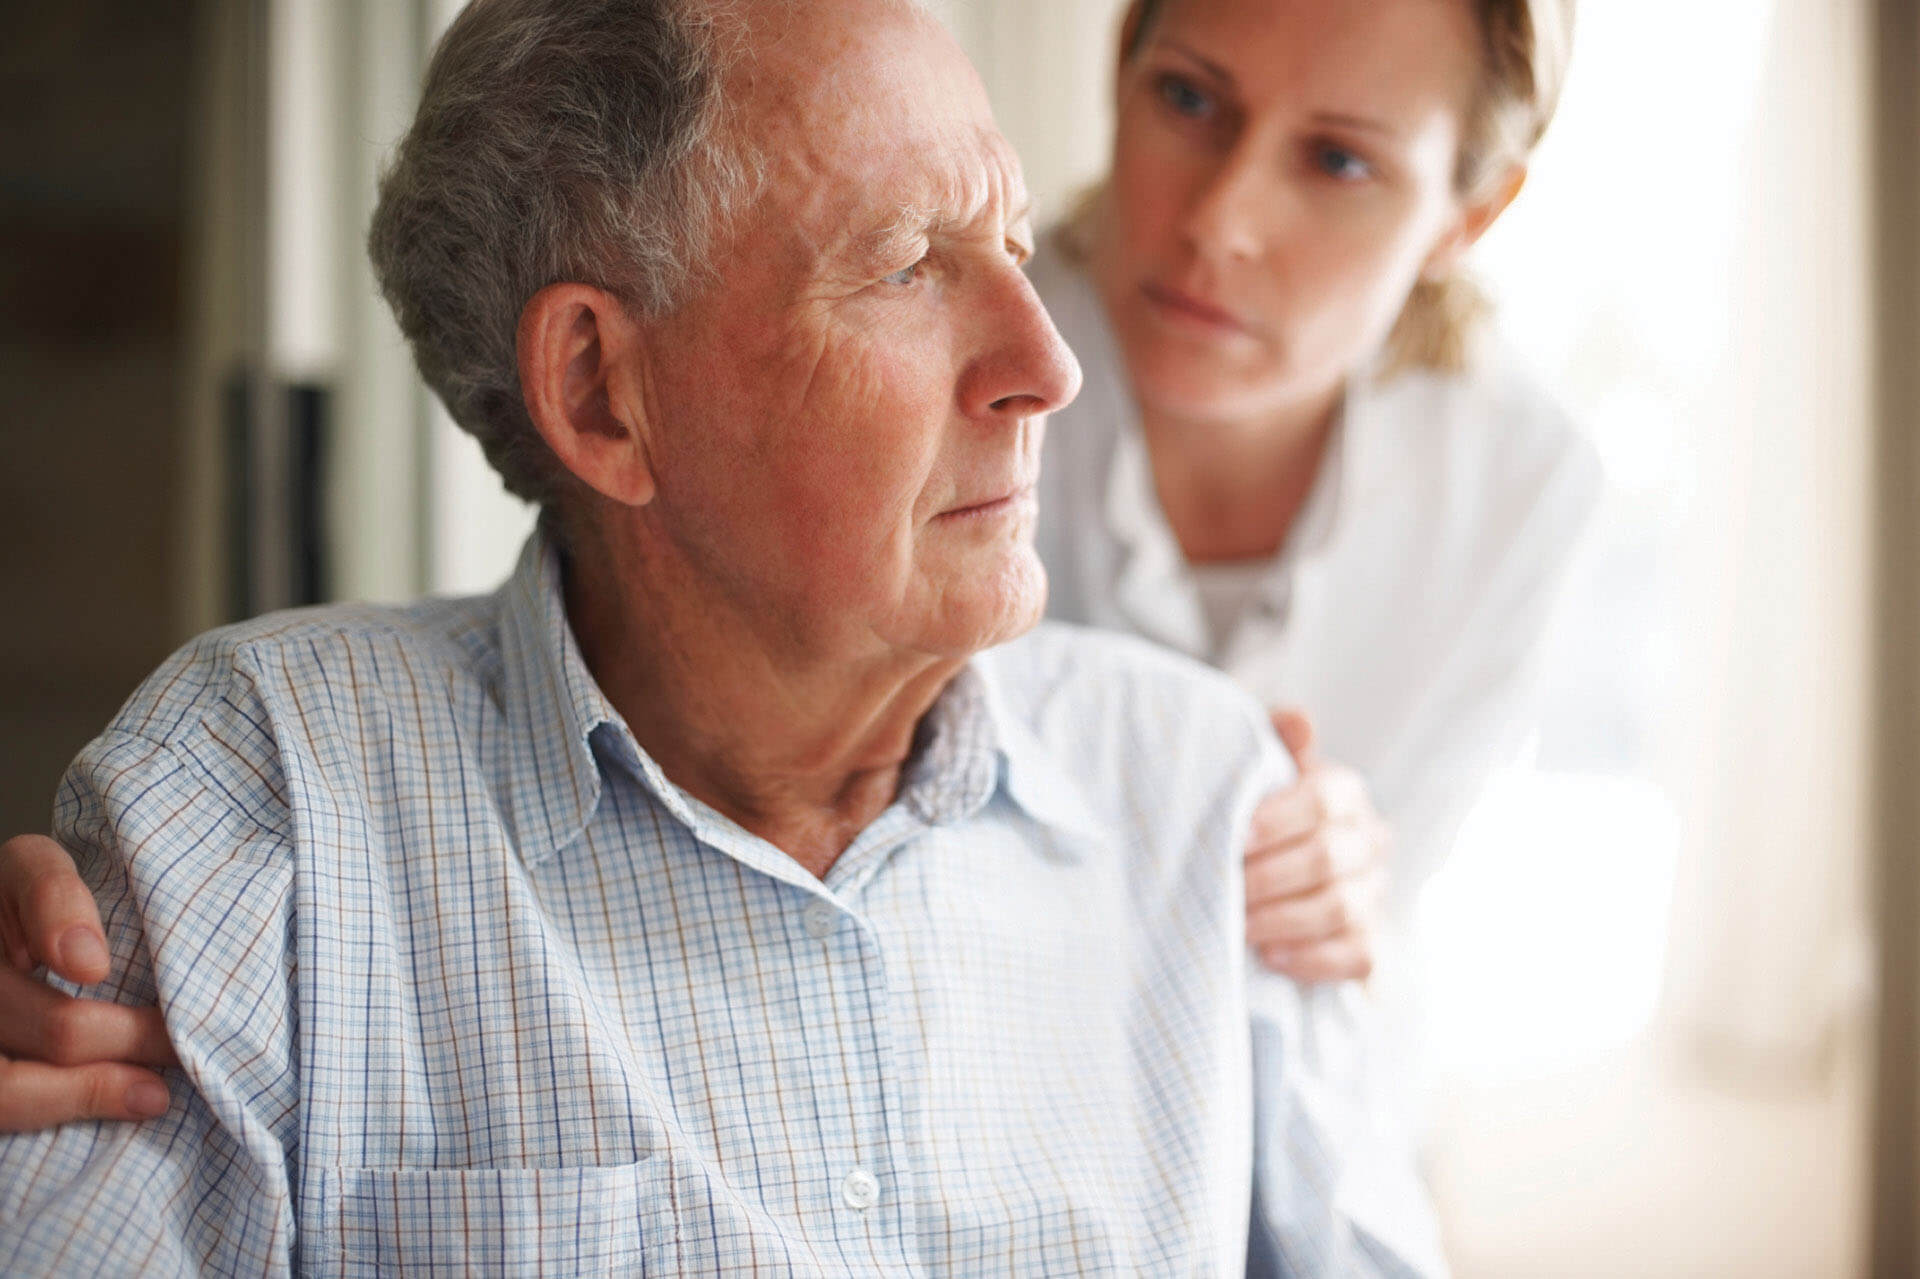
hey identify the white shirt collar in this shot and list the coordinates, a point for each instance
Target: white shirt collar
(1155, 587)
(972, 746)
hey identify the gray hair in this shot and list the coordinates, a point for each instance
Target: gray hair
(556, 140)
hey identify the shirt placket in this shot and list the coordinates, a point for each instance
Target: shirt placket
(867, 1194)
(888, 1185)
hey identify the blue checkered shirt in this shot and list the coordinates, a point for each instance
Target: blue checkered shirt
(461, 983)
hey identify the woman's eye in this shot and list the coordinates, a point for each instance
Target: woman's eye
(1341, 164)
(1183, 99)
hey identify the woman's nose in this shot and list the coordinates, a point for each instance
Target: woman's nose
(1233, 210)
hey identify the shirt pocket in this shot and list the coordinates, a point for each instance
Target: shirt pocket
(432, 1222)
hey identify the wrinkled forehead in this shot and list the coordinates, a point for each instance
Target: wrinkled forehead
(862, 120)
(966, 179)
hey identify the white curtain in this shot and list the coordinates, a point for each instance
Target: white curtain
(1770, 953)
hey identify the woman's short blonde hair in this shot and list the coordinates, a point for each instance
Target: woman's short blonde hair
(1527, 46)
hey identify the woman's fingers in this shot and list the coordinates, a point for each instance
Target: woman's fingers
(1344, 958)
(34, 1096)
(1285, 817)
(1315, 868)
(1321, 859)
(1301, 920)
(47, 916)
(1341, 793)
(1329, 794)
(1342, 907)
(40, 1023)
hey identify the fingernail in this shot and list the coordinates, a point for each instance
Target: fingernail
(81, 950)
(148, 1100)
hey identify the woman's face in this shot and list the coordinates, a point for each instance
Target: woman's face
(1283, 173)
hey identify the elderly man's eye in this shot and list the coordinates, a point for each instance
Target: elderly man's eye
(1183, 99)
(905, 275)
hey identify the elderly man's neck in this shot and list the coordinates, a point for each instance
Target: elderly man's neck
(803, 753)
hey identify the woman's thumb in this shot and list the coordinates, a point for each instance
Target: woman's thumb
(1297, 734)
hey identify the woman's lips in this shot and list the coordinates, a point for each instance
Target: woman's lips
(1193, 312)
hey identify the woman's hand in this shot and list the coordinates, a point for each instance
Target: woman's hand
(63, 1059)
(1316, 869)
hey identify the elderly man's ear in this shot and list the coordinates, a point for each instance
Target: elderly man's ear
(582, 379)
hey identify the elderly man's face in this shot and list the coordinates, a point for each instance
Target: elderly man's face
(851, 418)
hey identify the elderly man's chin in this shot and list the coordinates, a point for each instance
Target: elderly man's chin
(970, 603)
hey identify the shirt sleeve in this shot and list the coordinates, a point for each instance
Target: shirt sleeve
(1335, 1187)
(193, 889)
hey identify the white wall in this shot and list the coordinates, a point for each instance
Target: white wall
(1048, 68)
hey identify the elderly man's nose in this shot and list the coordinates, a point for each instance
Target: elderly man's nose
(1030, 369)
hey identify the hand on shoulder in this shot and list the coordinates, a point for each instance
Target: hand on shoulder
(1316, 867)
(63, 1058)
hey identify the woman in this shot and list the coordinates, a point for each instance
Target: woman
(1285, 460)
(1288, 458)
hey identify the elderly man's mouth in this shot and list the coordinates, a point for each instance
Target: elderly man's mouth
(1019, 501)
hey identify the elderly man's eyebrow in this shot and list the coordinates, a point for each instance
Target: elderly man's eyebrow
(908, 225)
(903, 228)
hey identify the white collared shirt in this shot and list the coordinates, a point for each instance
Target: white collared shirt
(1407, 610)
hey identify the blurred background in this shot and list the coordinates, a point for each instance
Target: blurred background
(1673, 969)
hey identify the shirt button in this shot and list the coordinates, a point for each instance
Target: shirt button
(860, 1190)
(820, 919)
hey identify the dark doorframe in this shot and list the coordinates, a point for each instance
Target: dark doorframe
(1896, 1104)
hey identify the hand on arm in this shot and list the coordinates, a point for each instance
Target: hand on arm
(1315, 867)
(61, 1058)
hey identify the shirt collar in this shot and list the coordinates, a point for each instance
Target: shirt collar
(552, 707)
(1314, 527)
(967, 749)
(1028, 771)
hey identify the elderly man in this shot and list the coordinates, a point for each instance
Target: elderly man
(726, 894)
